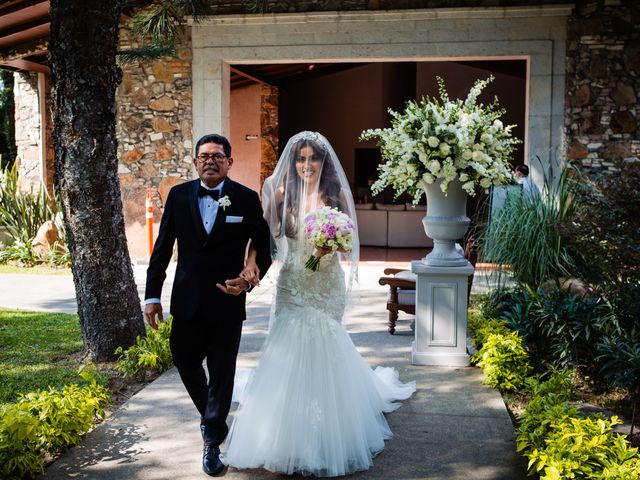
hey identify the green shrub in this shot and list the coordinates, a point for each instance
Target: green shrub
(548, 404)
(499, 300)
(59, 255)
(503, 360)
(19, 251)
(481, 327)
(573, 325)
(19, 457)
(560, 443)
(64, 416)
(523, 235)
(620, 358)
(583, 448)
(561, 328)
(47, 421)
(149, 353)
(22, 213)
(603, 233)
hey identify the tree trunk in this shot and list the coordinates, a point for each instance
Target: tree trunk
(84, 38)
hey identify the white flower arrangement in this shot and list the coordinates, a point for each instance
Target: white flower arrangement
(444, 141)
(224, 202)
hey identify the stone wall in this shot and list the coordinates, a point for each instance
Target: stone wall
(603, 83)
(154, 134)
(27, 123)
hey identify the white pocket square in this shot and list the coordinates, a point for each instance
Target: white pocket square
(233, 219)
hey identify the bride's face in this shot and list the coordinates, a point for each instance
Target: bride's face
(308, 165)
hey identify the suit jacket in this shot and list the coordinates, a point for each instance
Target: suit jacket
(204, 260)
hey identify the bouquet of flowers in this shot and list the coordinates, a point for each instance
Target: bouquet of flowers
(328, 230)
(444, 141)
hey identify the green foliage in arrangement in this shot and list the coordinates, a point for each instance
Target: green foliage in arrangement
(47, 421)
(560, 443)
(149, 353)
(523, 235)
(22, 213)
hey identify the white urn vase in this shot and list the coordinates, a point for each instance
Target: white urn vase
(446, 221)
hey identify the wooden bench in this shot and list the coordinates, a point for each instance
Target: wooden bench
(402, 287)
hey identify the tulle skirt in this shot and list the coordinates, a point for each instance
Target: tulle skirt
(312, 406)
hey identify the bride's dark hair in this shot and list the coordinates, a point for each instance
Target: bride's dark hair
(328, 188)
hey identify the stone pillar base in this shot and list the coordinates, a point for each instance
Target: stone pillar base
(438, 359)
(441, 315)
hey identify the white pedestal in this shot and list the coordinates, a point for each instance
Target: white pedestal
(441, 315)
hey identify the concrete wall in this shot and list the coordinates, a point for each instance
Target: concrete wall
(534, 34)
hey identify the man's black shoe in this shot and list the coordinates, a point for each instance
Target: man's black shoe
(211, 463)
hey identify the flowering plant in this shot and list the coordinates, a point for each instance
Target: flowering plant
(328, 230)
(224, 202)
(444, 140)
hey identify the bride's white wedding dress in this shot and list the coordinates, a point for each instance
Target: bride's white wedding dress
(313, 405)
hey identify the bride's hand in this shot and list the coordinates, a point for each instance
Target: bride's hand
(322, 251)
(251, 273)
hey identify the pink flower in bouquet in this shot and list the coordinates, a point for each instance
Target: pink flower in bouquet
(327, 229)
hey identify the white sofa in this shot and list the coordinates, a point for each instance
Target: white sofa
(392, 226)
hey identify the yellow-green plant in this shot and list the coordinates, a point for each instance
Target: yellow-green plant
(503, 360)
(560, 443)
(481, 328)
(19, 457)
(149, 353)
(47, 421)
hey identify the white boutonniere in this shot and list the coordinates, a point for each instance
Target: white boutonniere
(224, 202)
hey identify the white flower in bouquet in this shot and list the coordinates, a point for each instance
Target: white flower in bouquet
(443, 141)
(328, 230)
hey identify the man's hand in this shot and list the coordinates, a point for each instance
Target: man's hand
(151, 310)
(234, 286)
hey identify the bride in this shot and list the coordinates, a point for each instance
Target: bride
(312, 406)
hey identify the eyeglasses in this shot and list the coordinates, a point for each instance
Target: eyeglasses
(216, 157)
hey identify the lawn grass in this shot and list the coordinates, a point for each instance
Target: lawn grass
(35, 270)
(37, 350)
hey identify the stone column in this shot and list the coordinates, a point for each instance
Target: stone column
(441, 315)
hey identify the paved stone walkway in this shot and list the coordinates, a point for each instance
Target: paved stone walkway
(454, 427)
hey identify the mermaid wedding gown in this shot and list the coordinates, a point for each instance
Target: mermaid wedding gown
(312, 406)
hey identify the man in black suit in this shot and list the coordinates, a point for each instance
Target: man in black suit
(212, 219)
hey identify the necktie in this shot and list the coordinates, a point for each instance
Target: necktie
(215, 194)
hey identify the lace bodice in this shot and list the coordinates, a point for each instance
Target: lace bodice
(299, 287)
